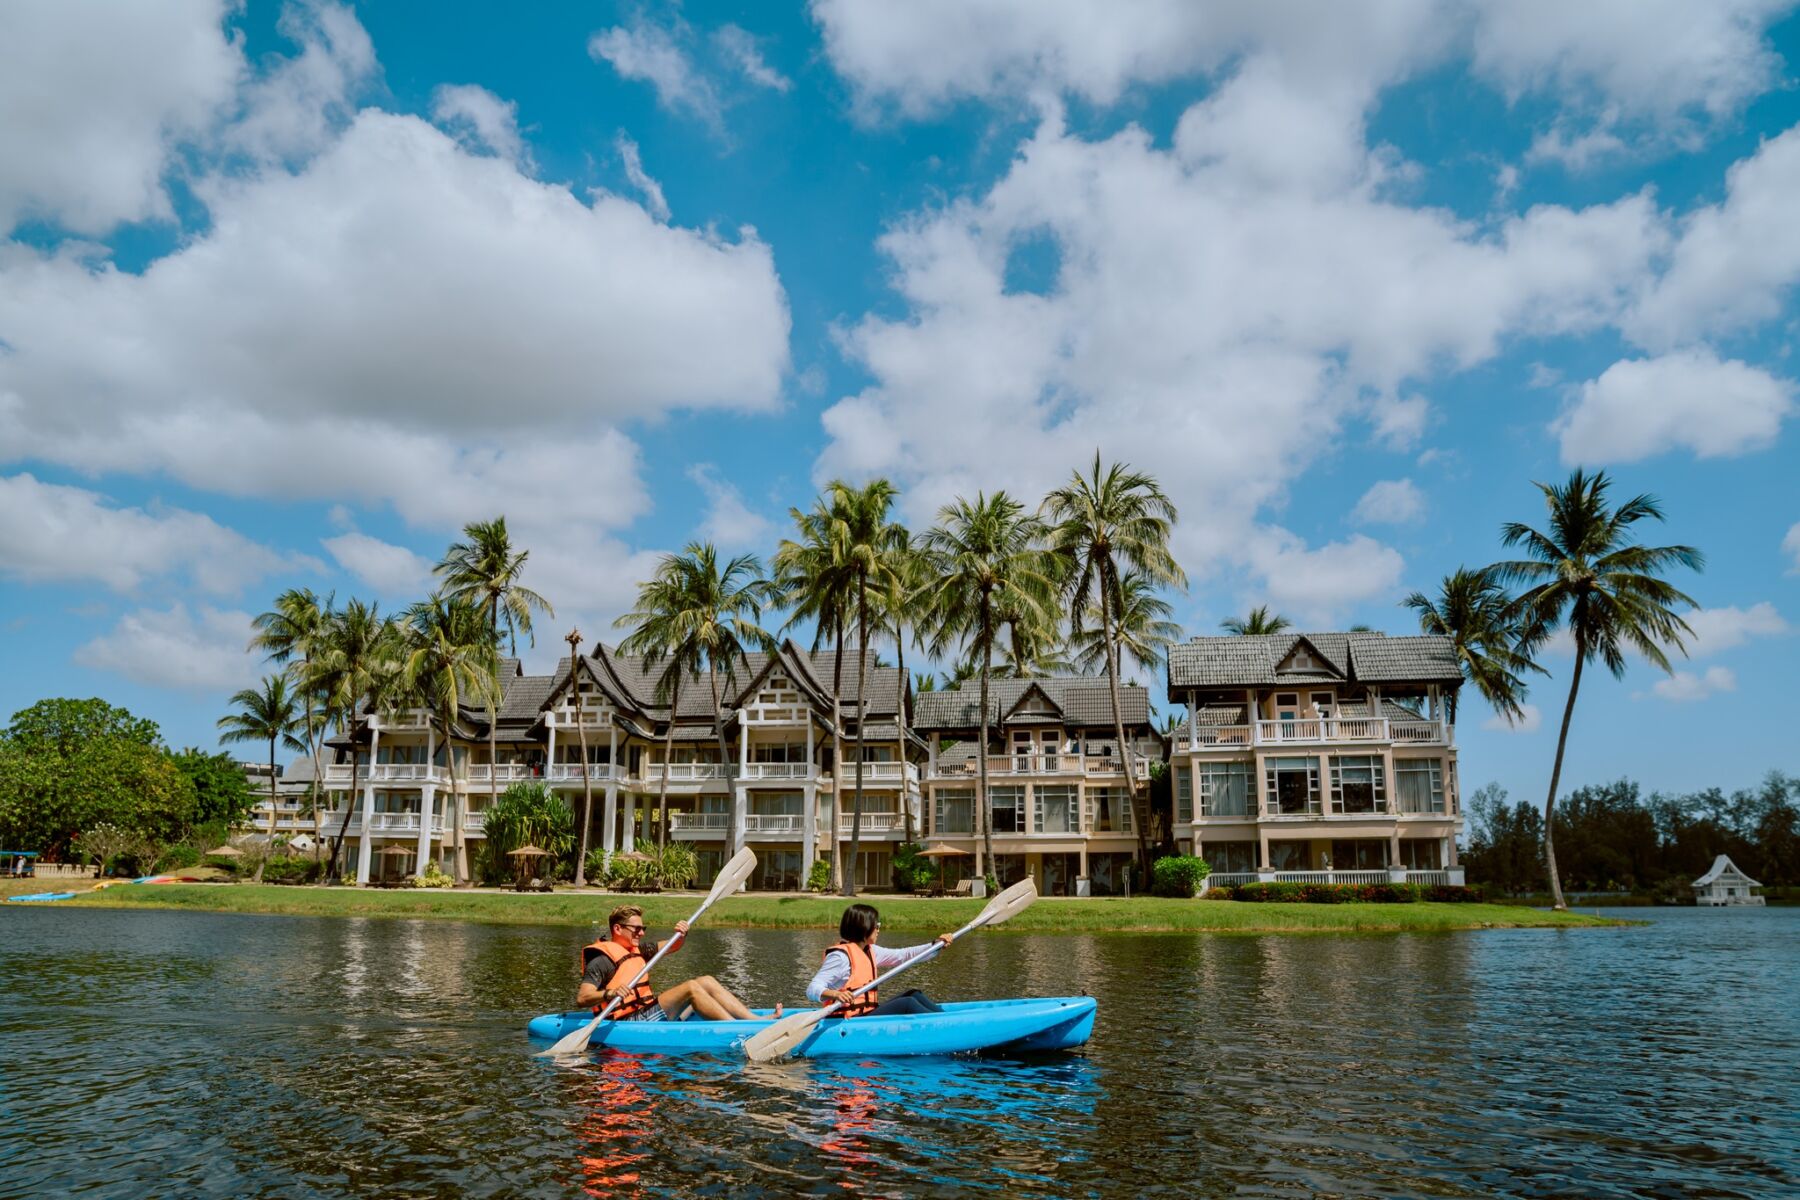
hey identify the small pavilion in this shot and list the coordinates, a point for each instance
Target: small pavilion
(1725, 885)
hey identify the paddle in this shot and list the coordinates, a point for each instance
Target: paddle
(785, 1035)
(731, 877)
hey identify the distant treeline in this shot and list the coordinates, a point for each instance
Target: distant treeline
(1610, 837)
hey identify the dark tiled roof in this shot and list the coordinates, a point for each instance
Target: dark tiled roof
(1082, 700)
(1254, 661)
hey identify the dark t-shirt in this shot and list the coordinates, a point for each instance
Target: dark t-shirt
(600, 968)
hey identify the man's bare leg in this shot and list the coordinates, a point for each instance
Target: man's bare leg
(710, 998)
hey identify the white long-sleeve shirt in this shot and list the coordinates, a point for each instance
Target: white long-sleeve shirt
(836, 971)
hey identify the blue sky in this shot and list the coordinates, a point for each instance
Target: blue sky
(290, 292)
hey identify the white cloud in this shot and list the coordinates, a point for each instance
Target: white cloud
(1390, 502)
(1531, 719)
(728, 521)
(640, 178)
(1317, 584)
(740, 47)
(1576, 151)
(1720, 629)
(175, 649)
(1790, 546)
(391, 570)
(1689, 686)
(92, 99)
(53, 533)
(293, 109)
(1640, 407)
(481, 120)
(653, 55)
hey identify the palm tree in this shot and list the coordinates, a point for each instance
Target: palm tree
(1260, 620)
(587, 785)
(451, 658)
(270, 713)
(356, 665)
(1107, 523)
(905, 612)
(1034, 644)
(293, 634)
(1589, 571)
(814, 580)
(1143, 631)
(986, 557)
(1487, 634)
(485, 570)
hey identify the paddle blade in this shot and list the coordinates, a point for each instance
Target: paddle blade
(784, 1036)
(1008, 904)
(573, 1043)
(732, 874)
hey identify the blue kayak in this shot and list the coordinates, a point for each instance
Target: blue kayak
(1008, 1026)
(41, 896)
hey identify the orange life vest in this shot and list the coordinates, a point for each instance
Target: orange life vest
(862, 972)
(626, 964)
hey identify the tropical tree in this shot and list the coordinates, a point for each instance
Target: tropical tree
(1587, 570)
(905, 611)
(527, 814)
(1143, 631)
(1259, 620)
(1487, 634)
(268, 713)
(293, 633)
(356, 666)
(485, 570)
(450, 659)
(576, 668)
(1034, 645)
(1107, 523)
(986, 558)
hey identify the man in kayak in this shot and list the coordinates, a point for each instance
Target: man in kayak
(856, 960)
(609, 965)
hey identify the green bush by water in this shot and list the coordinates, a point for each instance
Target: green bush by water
(1178, 875)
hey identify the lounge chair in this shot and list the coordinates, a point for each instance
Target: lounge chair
(965, 887)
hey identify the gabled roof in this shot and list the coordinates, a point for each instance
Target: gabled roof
(1082, 700)
(1723, 866)
(1359, 657)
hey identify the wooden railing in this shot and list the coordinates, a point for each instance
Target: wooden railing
(1334, 730)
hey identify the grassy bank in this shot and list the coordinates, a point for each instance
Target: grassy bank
(899, 914)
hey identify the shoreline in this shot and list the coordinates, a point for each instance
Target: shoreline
(910, 914)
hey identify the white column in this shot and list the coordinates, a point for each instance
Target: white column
(630, 820)
(1193, 723)
(427, 800)
(740, 812)
(364, 851)
(809, 833)
(609, 838)
(550, 722)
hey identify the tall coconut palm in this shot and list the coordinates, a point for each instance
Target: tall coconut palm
(268, 713)
(1487, 635)
(1588, 571)
(357, 662)
(485, 570)
(698, 612)
(1143, 631)
(1034, 645)
(906, 612)
(293, 634)
(576, 670)
(1106, 523)
(814, 581)
(1259, 620)
(986, 558)
(450, 660)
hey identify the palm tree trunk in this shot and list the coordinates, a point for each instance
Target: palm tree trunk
(1562, 740)
(587, 793)
(901, 726)
(862, 692)
(313, 741)
(337, 843)
(662, 826)
(1140, 814)
(731, 784)
(837, 747)
(265, 858)
(985, 818)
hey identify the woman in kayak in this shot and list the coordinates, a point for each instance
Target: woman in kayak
(856, 960)
(609, 966)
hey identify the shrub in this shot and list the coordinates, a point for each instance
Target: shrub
(1325, 893)
(819, 878)
(1178, 875)
(912, 873)
(992, 882)
(175, 858)
(677, 866)
(431, 877)
(1445, 893)
(292, 870)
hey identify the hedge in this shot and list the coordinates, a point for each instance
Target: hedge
(1346, 893)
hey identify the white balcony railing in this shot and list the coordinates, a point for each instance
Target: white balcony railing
(392, 822)
(597, 773)
(882, 772)
(680, 822)
(1316, 730)
(1044, 764)
(775, 770)
(872, 822)
(1451, 877)
(775, 714)
(405, 773)
(767, 823)
(475, 822)
(687, 772)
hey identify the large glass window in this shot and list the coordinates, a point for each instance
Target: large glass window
(1229, 856)
(776, 804)
(1225, 790)
(1184, 794)
(1420, 785)
(1109, 810)
(1289, 856)
(1359, 784)
(778, 752)
(955, 811)
(1008, 806)
(1421, 854)
(1009, 868)
(1359, 854)
(1054, 809)
(1293, 785)
(776, 871)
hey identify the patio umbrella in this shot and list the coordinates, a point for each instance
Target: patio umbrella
(395, 850)
(225, 852)
(632, 856)
(527, 851)
(940, 851)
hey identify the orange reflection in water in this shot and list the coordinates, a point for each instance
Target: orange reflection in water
(618, 1120)
(855, 1112)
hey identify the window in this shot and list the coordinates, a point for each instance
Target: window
(776, 871)
(1293, 785)
(1053, 809)
(776, 804)
(1420, 783)
(875, 869)
(1421, 854)
(778, 752)
(954, 811)
(1289, 856)
(1109, 810)
(1322, 702)
(1287, 705)
(1358, 785)
(1229, 856)
(1008, 807)
(1225, 790)
(1184, 794)
(1360, 854)
(1009, 868)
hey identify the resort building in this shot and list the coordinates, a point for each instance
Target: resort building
(1725, 885)
(770, 780)
(1056, 779)
(1317, 757)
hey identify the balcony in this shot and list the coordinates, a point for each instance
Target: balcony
(679, 773)
(1323, 731)
(397, 824)
(775, 714)
(699, 825)
(1044, 764)
(872, 822)
(597, 773)
(774, 825)
(1452, 877)
(776, 770)
(475, 822)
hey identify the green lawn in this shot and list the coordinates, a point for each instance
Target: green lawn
(899, 914)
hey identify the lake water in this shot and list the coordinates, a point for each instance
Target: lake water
(164, 1054)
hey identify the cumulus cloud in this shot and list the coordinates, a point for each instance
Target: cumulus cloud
(481, 120)
(172, 648)
(728, 521)
(391, 570)
(640, 178)
(1720, 629)
(1531, 719)
(293, 109)
(54, 533)
(740, 47)
(1688, 399)
(653, 54)
(1685, 687)
(1790, 546)
(1317, 584)
(1390, 502)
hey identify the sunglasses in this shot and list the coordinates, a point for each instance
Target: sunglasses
(634, 928)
